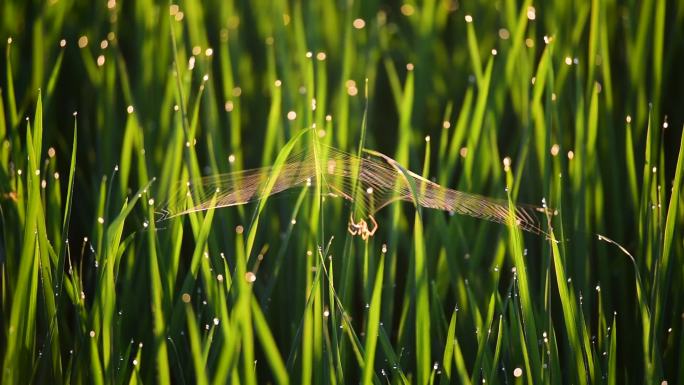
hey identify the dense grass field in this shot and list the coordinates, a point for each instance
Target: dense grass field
(107, 107)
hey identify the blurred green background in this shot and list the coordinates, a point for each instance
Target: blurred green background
(581, 98)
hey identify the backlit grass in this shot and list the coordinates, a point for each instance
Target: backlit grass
(106, 107)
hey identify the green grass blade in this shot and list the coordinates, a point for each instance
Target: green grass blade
(196, 352)
(273, 177)
(269, 345)
(373, 324)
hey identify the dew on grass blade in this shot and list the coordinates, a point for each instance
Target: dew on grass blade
(407, 9)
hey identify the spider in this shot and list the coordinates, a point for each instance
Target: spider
(361, 227)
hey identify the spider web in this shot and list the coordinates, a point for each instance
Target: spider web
(380, 182)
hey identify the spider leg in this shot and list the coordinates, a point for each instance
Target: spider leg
(353, 227)
(375, 226)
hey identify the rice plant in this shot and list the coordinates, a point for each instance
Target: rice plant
(270, 192)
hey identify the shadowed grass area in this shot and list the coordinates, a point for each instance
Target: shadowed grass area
(572, 106)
